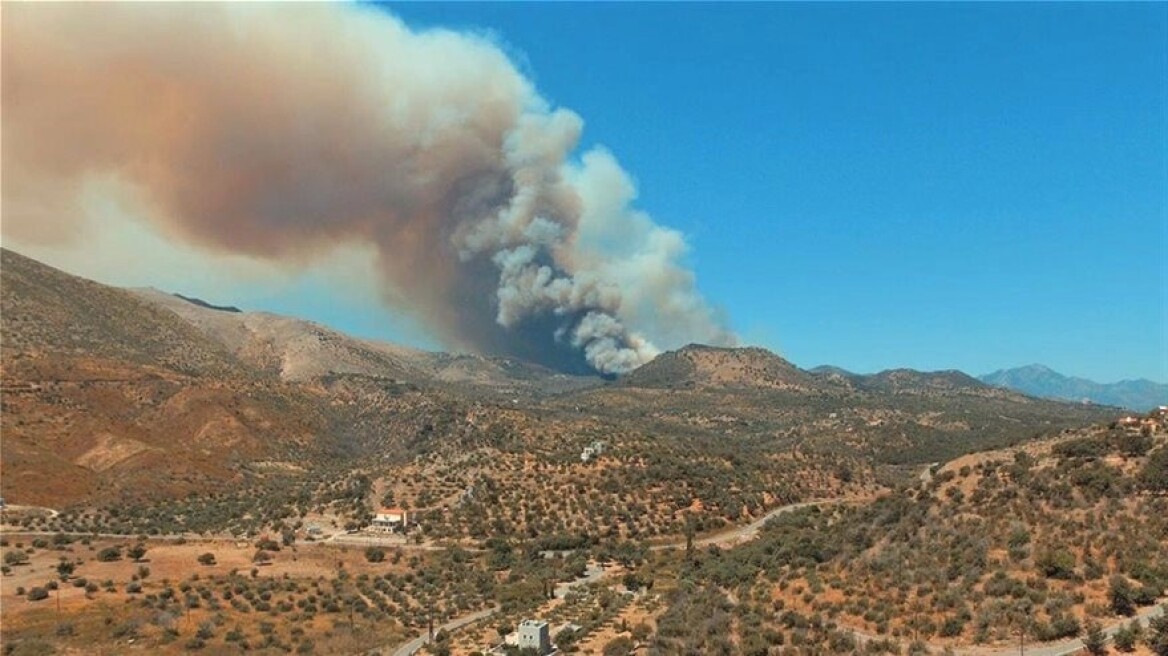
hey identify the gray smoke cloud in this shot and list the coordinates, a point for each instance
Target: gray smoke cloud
(283, 132)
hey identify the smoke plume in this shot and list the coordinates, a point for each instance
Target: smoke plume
(282, 132)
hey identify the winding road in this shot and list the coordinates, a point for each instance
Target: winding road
(747, 532)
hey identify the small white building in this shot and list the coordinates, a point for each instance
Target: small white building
(390, 520)
(535, 634)
(591, 451)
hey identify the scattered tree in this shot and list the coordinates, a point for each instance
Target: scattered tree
(15, 558)
(136, 552)
(620, 646)
(37, 594)
(1095, 642)
(1122, 596)
(110, 554)
(65, 569)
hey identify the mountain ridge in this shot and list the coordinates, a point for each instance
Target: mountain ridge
(1042, 381)
(113, 394)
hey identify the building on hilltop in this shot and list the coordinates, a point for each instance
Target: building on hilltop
(535, 634)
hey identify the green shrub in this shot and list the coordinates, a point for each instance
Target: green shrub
(37, 594)
(1056, 564)
(109, 554)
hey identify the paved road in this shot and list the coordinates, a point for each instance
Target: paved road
(194, 537)
(749, 531)
(17, 508)
(591, 575)
(387, 541)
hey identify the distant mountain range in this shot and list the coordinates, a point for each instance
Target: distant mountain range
(1037, 380)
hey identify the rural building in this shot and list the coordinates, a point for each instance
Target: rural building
(592, 451)
(390, 520)
(536, 635)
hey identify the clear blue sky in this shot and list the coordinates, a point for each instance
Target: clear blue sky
(882, 185)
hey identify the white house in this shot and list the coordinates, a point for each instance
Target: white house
(592, 451)
(390, 520)
(535, 634)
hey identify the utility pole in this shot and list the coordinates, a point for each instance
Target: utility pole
(1022, 639)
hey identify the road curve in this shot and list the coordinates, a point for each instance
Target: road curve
(749, 531)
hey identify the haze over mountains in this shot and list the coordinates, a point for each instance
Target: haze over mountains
(1041, 381)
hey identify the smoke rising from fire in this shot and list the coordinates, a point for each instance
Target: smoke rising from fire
(283, 132)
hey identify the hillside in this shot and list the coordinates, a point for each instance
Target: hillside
(285, 347)
(298, 350)
(1043, 539)
(702, 366)
(895, 417)
(1037, 380)
(172, 398)
(48, 313)
(137, 412)
(108, 397)
(114, 393)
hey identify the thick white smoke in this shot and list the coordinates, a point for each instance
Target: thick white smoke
(284, 131)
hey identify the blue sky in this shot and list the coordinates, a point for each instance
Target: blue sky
(925, 185)
(882, 185)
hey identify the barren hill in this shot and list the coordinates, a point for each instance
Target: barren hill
(290, 348)
(298, 350)
(50, 313)
(106, 395)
